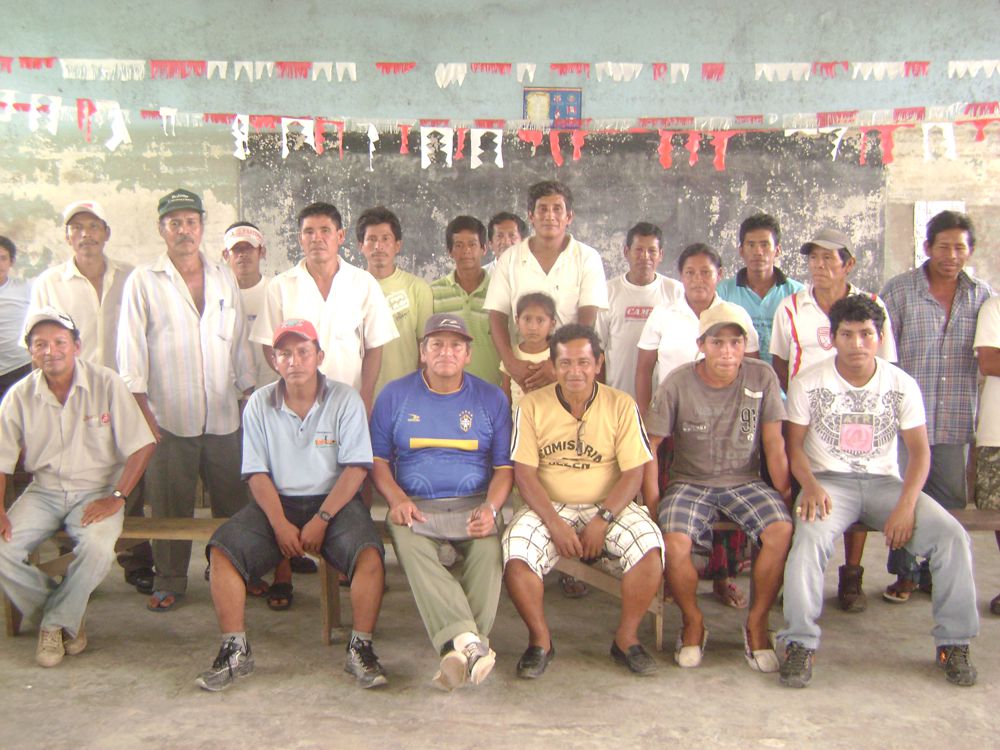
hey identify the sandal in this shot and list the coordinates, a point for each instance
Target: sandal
(162, 601)
(258, 588)
(995, 605)
(303, 565)
(899, 592)
(730, 594)
(572, 588)
(279, 596)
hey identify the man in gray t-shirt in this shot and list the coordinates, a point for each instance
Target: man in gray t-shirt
(721, 411)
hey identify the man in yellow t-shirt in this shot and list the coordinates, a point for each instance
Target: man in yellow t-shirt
(579, 449)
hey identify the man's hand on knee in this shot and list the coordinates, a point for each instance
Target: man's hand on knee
(564, 537)
(813, 502)
(98, 510)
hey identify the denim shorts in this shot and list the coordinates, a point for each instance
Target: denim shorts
(248, 540)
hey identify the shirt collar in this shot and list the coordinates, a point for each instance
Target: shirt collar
(565, 403)
(278, 394)
(742, 277)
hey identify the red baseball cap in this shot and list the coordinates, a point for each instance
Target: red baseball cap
(295, 327)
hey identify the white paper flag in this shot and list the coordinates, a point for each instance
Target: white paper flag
(488, 143)
(241, 136)
(436, 146)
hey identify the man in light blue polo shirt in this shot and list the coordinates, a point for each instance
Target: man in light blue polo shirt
(759, 286)
(306, 452)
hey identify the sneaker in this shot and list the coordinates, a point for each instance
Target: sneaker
(797, 668)
(850, 597)
(453, 671)
(480, 659)
(75, 645)
(363, 664)
(957, 667)
(50, 647)
(234, 661)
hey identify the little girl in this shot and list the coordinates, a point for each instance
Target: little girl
(536, 320)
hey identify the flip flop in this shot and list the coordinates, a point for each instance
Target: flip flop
(899, 592)
(732, 596)
(303, 565)
(162, 601)
(573, 588)
(279, 596)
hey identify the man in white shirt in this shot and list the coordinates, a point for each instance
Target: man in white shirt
(844, 416)
(631, 298)
(504, 230)
(15, 295)
(345, 303)
(89, 287)
(550, 261)
(182, 351)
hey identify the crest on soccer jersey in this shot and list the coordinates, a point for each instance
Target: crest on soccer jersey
(465, 421)
(824, 338)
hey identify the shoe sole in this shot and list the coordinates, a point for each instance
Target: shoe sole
(200, 682)
(482, 668)
(796, 682)
(452, 672)
(76, 648)
(363, 683)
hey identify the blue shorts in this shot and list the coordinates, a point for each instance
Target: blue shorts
(248, 540)
(691, 509)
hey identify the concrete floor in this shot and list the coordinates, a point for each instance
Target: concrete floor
(875, 683)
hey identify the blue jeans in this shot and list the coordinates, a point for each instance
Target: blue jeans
(870, 499)
(35, 517)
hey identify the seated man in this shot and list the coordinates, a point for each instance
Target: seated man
(306, 452)
(844, 414)
(721, 410)
(579, 449)
(86, 443)
(441, 441)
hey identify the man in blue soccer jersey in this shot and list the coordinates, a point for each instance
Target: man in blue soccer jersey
(441, 442)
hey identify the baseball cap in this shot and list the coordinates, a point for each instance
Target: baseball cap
(295, 327)
(239, 234)
(79, 207)
(48, 314)
(829, 239)
(722, 314)
(179, 200)
(446, 323)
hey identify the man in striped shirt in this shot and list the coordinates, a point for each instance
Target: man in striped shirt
(183, 352)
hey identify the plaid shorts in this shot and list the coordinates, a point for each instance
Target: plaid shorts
(988, 478)
(691, 509)
(628, 539)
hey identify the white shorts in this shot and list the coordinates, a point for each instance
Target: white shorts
(629, 537)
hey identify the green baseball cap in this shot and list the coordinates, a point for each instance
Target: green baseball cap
(179, 200)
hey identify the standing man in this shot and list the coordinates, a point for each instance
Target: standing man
(88, 287)
(86, 444)
(631, 298)
(550, 261)
(505, 230)
(305, 454)
(800, 337)
(183, 353)
(441, 440)
(15, 297)
(243, 248)
(354, 320)
(723, 411)
(760, 286)
(380, 236)
(578, 450)
(987, 344)
(463, 292)
(844, 415)
(933, 310)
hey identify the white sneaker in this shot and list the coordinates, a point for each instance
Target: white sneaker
(50, 647)
(689, 656)
(480, 660)
(74, 646)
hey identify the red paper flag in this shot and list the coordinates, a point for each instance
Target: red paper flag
(557, 156)
(749, 119)
(35, 63)
(340, 137)
(978, 109)
(21, 106)
(915, 68)
(666, 148)
(693, 142)
(85, 110)
(490, 124)
(485, 67)
(577, 139)
(660, 70)
(830, 119)
(534, 137)
(665, 122)
(177, 68)
(260, 122)
(459, 143)
(720, 139)
(287, 69)
(886, 141)
(432, 123)
(981, 126)
(565, 69)
(713, 71)
(149, 114)
(395, 68)
(828, 69)
(218, 118)
(5, 63)
(404, 146)
(909, 114)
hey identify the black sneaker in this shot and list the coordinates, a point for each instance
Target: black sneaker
(234, 661)
(957, 667)
(797, 668)
(637, 659)
(363, 664)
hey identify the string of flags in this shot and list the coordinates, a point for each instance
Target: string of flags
(455, 73)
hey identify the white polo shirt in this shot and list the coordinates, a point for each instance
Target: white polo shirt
(354, 316)
(77, 446)
(672, 332)
(575, 280)
(620, 326)
(800, 334)
(67, 290)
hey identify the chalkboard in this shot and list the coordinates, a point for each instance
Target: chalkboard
(617, 182)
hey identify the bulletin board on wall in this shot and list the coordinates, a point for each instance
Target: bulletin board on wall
(617, 179)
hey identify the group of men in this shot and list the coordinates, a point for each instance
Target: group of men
(304, 387)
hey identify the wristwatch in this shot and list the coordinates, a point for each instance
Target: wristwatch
(324, 516)
(118, 494)
(606, 514)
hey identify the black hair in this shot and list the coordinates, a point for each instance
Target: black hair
(761, 221)
(321, 209)
(856, 308)
(699, 248)
(572, 332)
(644, 229)
(538, 299)
(464, 224)
(946, 220)
(9, 246)
(371, 217)
(546, 188)
(522, 225)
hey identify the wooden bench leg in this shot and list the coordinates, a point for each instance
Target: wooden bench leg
(329, 600)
